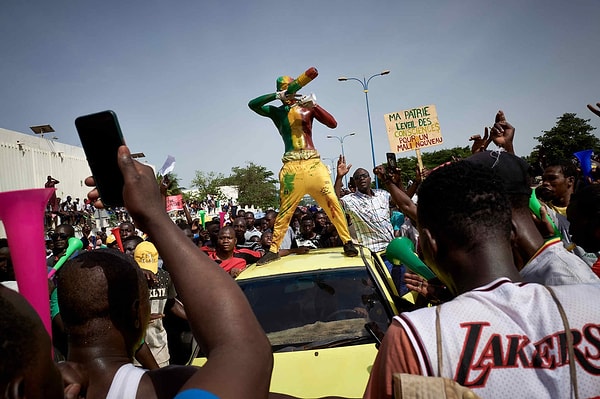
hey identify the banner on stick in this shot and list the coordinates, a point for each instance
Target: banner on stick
(413, 128)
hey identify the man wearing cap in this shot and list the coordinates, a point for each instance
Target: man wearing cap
(538, 260)
(302, 172)
(161, 290)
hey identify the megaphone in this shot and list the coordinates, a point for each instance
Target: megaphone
(305, 78)
(22, 213)
(75, 244)
(536, 207)
(585, 160)
(117, 233)
(401, 250)
(202, 213)
(308, 101)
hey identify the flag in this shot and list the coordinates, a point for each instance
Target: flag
(168, 166)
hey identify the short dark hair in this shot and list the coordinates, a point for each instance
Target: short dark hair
(228, 228)
(567, 168)
(307, 217)
(464, 203)
(83, 294)
(271, 212)
(137, 239)
(240, 219)
(18, 344)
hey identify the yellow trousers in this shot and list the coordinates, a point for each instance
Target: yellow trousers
(297, 178)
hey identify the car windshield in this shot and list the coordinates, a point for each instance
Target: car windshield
(330, 307)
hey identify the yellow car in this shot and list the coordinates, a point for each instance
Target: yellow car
(323, 313)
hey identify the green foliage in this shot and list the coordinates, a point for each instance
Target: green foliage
(191, 196)
(430, 161)
(569, 135)
(208, 183)
(256, 186)
(173, 188)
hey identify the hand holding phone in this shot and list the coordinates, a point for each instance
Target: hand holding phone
(392, 172)
(392, 164)
(101, 137)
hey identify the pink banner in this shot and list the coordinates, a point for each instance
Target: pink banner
(175, 203)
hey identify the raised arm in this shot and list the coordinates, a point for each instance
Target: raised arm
(480, 143)
(259, 104)
(342, 170)
(594, 110)
(324, 117)
(503, 133)
(400, 198)
(202, 287)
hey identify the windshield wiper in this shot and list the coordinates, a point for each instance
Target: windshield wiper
(332, 343)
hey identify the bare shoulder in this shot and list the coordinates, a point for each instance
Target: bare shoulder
(164, 382)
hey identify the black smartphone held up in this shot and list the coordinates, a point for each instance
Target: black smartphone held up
(101, 137)
(391, 160)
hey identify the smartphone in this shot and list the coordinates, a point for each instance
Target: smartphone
(391, 160)
(101, 137)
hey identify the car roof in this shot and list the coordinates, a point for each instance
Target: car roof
(315, 259)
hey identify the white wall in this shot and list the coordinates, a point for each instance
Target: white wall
(26, 161)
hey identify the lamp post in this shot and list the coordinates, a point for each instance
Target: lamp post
(365, 84)
(333, 168)
(341, 140)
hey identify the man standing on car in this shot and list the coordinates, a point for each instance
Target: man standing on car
(302, 172)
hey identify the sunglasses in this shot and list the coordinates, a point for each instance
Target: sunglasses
(56, 236)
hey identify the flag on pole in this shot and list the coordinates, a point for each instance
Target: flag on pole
(168, 166)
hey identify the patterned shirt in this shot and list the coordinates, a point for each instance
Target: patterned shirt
(312, 243)
(370, 215)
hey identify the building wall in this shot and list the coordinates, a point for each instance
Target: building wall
(26, 161)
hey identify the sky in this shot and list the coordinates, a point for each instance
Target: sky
(179, 74)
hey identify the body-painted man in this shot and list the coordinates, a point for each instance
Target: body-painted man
(302, 172)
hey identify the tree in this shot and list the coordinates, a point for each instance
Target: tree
(569, 135)
(256, 186)
(430, 161)
(208, 183)
(173, 188)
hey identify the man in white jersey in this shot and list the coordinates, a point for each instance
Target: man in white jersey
(499, 337)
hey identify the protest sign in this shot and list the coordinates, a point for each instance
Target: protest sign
(175, 203)
(413, 129)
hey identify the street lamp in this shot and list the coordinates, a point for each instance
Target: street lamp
(341, 140)
(333, 168)
(365, 84)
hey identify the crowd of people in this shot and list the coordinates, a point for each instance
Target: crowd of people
(506, 315)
